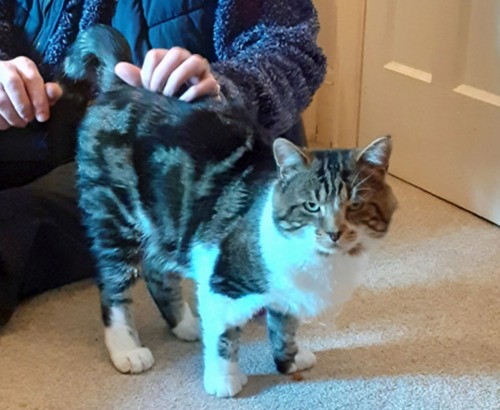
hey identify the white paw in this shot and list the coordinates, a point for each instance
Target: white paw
(137, 360)
(189, 327)
(304, 359)
(228, 385)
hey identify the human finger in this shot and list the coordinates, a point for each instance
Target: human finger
(129, 73)
(35, 89)
(194, 67)
(54, 92)
(13, 88)
(4, 125)
(170, 62)
(206, 87)
(151, 61)
(8, 112)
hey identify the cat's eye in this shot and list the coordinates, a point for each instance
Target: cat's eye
(311, 206)
(355, 205)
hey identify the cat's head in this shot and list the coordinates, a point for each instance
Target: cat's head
(341, 195)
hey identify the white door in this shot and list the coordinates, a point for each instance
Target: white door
(431, 78)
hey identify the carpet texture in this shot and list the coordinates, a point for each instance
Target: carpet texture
(422, 332)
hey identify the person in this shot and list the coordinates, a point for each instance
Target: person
(263, 51)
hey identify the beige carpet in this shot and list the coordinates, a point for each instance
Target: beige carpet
(422, 333)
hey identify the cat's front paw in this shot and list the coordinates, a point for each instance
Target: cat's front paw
(227, 385)
(304, 359)
(136, 360)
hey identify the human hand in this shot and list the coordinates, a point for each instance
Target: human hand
(166, 71)
(23, 94)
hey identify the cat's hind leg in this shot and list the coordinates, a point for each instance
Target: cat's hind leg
(120, 334)
(166, 290)
(288, 355)
(121, 337)
(115, 246)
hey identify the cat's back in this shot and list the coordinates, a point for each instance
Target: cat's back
(196, 169)
(137, 118)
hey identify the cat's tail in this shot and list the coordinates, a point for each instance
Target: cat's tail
(94, 55)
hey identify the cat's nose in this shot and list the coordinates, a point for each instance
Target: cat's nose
(334, 236)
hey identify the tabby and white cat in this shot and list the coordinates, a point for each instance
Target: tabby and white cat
(172, 190)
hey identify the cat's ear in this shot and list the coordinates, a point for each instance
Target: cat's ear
(376, 154)
(289, 158)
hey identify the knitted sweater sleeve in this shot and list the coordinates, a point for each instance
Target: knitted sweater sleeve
(6, 35)
(268, 56)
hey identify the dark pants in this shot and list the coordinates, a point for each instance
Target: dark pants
(42, 243)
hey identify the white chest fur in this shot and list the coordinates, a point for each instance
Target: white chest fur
(302, 281)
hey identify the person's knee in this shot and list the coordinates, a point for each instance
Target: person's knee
(60, 183)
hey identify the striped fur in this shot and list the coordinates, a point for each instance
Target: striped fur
(172, 190)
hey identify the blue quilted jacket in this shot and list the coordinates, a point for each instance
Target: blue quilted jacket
(264, 50)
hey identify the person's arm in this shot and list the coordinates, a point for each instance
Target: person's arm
(268, 55)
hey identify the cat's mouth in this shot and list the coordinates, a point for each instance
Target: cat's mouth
(329, 248)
